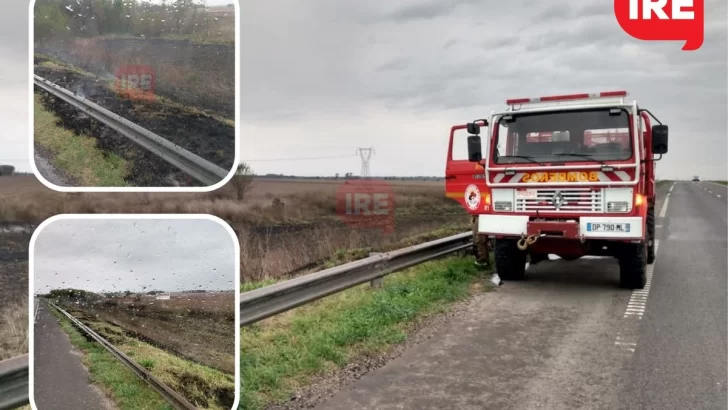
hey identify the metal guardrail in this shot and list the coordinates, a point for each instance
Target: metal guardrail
(169, 395)
(271, 300)
(14, 382)
(195, 166)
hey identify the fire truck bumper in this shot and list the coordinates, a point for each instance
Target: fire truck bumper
(587, 227)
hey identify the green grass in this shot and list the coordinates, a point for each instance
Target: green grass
(662, 183)
(281, 354)
(721, 182)
(77, 155)
(127, 390)
(204, 387)
(343, 256)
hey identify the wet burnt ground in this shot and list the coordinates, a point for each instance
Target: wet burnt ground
(187, 382)
(197, 132)
(14, 243)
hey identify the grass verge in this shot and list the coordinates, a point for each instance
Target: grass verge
(204, 387)
(77, 155)
(721, 182)
(343, 256)
(663, 183)
(282, 354)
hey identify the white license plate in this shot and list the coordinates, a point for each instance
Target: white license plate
(526, 193)
(607, 227)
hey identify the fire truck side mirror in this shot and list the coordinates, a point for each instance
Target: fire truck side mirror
(475, 153)
(659, 139)
(473, 128)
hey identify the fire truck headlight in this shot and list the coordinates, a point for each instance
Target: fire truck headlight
(503, 199)
(618, 206)
(503, 206)
(619, 199)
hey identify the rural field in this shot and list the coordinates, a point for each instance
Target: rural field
(187, 55)
(207, 321)
(13, 291)
(186, 341)
(285, 226)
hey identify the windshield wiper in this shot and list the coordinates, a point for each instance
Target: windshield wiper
(521, 156)
(587, 156)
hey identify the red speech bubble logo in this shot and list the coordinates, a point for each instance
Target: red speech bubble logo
(663, 20)
(136, 81)
(366, 204)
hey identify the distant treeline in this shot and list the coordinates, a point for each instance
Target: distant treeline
(90, 18)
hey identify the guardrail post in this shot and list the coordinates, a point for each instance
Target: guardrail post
(378, 282)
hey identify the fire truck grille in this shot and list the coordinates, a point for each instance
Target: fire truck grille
(572, 200)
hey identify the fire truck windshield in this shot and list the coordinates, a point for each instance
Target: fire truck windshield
(597, 135)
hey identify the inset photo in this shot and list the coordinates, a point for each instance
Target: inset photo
(134, 95)
(134, 312)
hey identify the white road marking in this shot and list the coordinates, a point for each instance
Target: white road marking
(663, 210)
(717, 195)
(636, 307)
(658, 226)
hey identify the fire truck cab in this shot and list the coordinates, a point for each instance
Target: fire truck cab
(570, 175)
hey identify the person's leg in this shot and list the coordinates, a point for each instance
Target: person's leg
(474, 224)
(482, 244)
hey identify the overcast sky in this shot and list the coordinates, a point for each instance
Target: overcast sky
(137, 255)
(323, 77)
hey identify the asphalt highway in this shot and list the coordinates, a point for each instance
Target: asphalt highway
(62, 380)
(569, 338)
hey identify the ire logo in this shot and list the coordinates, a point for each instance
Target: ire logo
(135, 81)
(366, 204)
(663, 20)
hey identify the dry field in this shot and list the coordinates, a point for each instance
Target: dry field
(197, 326)
(285, 226)
(13, 291)
(204, 386)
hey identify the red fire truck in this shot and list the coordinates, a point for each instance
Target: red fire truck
(570, 175)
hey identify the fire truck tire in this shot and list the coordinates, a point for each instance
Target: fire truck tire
(633, 265)
(510, 262)
(651, 235)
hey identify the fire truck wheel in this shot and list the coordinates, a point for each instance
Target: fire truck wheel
(651, 235)
(633, 265)
(510, 261)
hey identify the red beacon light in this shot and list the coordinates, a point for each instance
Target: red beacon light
(567, 97)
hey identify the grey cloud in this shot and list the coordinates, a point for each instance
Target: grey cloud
(593, 32)
(400, 63)
(500, 42)
(558, 11)
(597, 9)
(451, 43)
(426, 10)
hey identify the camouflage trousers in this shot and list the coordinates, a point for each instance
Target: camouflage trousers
(481, 244)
